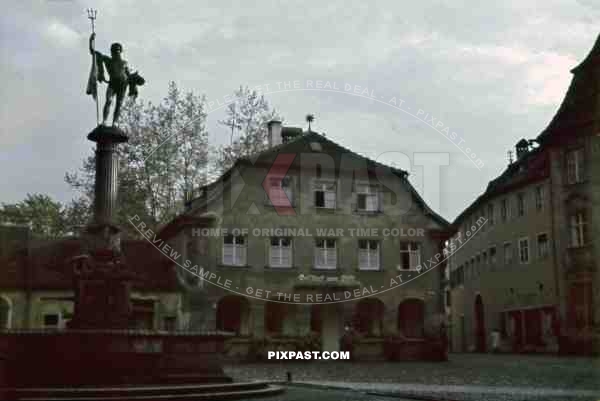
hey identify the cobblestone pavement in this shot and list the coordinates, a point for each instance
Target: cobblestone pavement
(463, 377)
(293, 393)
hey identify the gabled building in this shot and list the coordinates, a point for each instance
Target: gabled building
(308, 240)
(531, 270)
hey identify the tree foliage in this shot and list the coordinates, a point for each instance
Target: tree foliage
(45, 217)
(163, 162)
(246, 119)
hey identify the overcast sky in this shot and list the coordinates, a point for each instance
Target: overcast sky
(493, 73)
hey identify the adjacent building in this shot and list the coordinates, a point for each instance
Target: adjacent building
(37, 281)
(527, 253)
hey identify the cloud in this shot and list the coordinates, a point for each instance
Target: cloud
(61, 35)
(493, 71)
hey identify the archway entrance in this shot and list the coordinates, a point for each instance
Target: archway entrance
(232, 314)
(411, 318)
(368, 317)
(479, 325)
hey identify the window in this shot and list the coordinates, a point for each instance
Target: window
(542, 246)
(577, 223)
(575, 172)
(484, 257)
(524, 250)
(325, 196)
(508, 253)
(368, 254)
(492, 255)
(491, 214)
(367, 198)
(234, 250)
(539, 198)
(521, 204)
(280, 191)
(504, 210)
(325, 254)
(51, 320)
(281, 252)
(410, 255)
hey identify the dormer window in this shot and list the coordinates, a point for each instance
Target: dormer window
(367, 198)
(575, 166)
(324, 195)
(280, 191)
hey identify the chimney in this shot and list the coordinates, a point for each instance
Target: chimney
(522, 148)
(274, 133)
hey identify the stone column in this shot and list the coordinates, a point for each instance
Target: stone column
(105, 191)
(107, 165)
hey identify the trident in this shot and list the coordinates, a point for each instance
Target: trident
(91, 13)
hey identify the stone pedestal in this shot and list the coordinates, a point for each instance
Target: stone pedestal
(102, 278)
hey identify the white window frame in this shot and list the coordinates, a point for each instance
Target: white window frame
(540, 195)
(277, 253)
(414, 255)
(328, 188)
(539, 248)
(577, 225)
(327, 252)
(521, 248)
(368, 191)
(373, 256)
(238, 251)
(575, 166)
(511, 253)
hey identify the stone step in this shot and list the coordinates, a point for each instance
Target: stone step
(225, 391)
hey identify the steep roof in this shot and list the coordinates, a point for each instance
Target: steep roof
(579, 108)
(581, 104)
(531, 167)
(47, 267)
(313, 137)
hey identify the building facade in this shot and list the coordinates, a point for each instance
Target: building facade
(530, 271)
(313, 243)
(37, 281)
